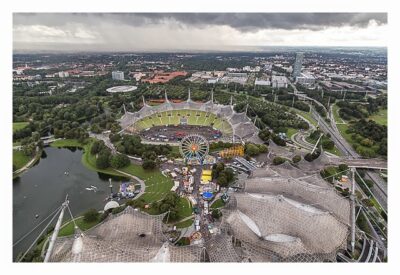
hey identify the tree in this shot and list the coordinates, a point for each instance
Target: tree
(251, 149)
(278, 160)
(222, 180)
(343, 167)
(262, 148)
(265, 135)
(296, 158)
(216, 214)
(148, 164)
(103, 161)
(96, 147)
(91, 215)
(278, 140)
(119, 161)
(327, 144)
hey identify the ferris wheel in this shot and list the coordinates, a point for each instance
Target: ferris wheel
(194, 148)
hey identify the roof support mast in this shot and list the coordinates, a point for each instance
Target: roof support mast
(56, 230)
(353, 210)
(166, 97)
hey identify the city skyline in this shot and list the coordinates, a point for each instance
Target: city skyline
(194, 31)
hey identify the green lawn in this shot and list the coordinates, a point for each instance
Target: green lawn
(290, 132)
(19, 125)
(17, 143)
(342, 129)
(185, 208)
(68, 229)
(19, 159)
(380, 117)
(184, 224)
(334, 151)
(156, 184)
(217, 204)
(335, 111)
(67, 143)
(307, 116)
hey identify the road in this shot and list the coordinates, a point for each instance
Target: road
(380, 189)
(352, 158)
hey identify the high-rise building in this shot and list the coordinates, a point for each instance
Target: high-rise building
(297, 64)
(117, 75)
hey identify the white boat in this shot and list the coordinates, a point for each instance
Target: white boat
(89, 189)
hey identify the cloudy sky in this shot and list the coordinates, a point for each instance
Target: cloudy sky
(194, 31)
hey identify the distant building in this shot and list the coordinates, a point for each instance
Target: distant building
(212, 80)
(262, 82)
(63, 74)
(305, 79)
(138, 76)
(297, 64)
(117, 75)
(279, 81)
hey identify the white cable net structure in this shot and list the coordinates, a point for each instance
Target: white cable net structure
(325, 198)
(243, 128)
(130, 236)
(273, 228)
(221, 249)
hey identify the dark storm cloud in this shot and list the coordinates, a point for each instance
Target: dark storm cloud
(241, 21)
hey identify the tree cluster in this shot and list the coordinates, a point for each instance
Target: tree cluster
(222, 175)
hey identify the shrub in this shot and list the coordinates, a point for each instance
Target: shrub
(278, 140)
(278, 160)
(296, 158)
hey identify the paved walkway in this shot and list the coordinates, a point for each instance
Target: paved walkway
(29, 164)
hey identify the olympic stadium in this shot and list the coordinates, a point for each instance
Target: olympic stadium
(194, 116)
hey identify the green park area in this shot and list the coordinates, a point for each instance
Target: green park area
(20, 159)
(217, 204)
(307, 116)
(335, 111)
(19, 125)
(68, 228)
(184, 224)
(333, 150)
(290, 132)
(157, 185)
(380, 117)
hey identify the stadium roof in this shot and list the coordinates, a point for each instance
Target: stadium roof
(242, 126)
(130, 236)
(283, 215)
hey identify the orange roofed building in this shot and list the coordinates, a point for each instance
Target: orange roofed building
(164, 77)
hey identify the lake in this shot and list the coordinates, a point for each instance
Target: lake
(42, 189)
